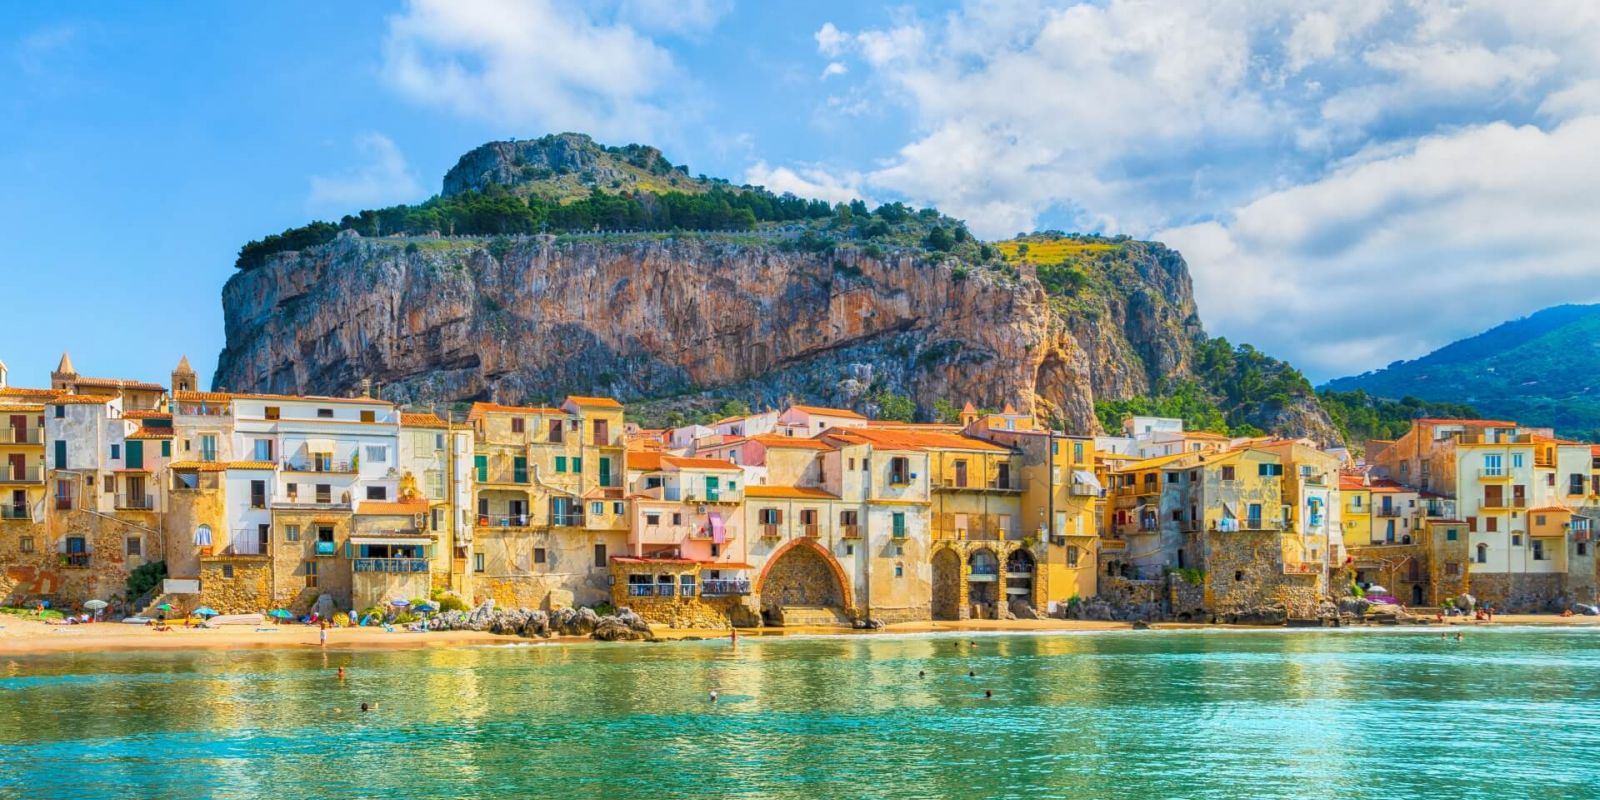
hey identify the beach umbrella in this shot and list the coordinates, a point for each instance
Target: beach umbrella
(399, 603)
(425, 606)
(280, 614)
(95, 605)
(205, 611)
(165, 607)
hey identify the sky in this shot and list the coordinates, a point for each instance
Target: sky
(1352, 182)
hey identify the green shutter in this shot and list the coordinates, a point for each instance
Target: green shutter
(166, 448)
(561, 463)
(61, 454)
(605, 471)
(577, 464)
(135, 458)
(899, 525)
(519, 469)
(481, 464)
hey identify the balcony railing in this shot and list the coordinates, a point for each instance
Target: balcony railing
(135, 502)
(318, 466)
(27, 474)
(246, 542)
(394, 565)
(1007, 485)
(63, 503)
(850, 531)
(567, 520)
(1083, 490)
(810, 530)
(1493, 473)
(10, 435)
(1385, 511)
(75, 560)
(770, 531)
(508, 521)
(327, 548)
(14, 512)
(1504, 502)
(723, 587)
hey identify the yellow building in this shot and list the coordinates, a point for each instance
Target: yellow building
(1060, 505)
(1355, 498)
(549, 498)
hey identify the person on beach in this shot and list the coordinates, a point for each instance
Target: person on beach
(322, 635)
(733, 635)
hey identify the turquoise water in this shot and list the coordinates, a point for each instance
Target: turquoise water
(1393, 714)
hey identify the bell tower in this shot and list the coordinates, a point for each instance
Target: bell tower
(183, 377)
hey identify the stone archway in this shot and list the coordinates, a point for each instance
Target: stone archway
(801, 574)
(1019, 575)
(983, 582)
(946, 584)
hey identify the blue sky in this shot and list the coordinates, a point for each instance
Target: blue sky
(1352, 181)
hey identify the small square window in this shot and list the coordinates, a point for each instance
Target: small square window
(377, 493)
(538, 555)
(227, 570)
(324, 413)
(25, 544)
(899, 571)
(477, 562)
(849, 549)
(369, 416)
(134, 545)
(291, 533)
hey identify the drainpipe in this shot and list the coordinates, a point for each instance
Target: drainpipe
(866, 537)
(1050, 509)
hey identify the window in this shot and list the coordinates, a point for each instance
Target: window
(1227, 473)
(1516, 540)
(291, 533)
(852, 464)
(1072, 555)
(1483, 554)
(377, 493)
(1538, 519)
(1538, 550)
(1491, 524)
(538, 555)
(715, 550)
(61, 412)
(652, 519)
(438, 441)
(518, 425)
(1575, 484)
(324, 413)
(769, 516)
(899, 470)
(166, 448)
(272, 412)
(1516, 461)
(1238, 576)
(134, 545)
(116, 452)
(561, 464)
(597, 508)
(1077, 452)
(899, 549)
(311, 574)
(477, 562)
(324, 493)
(1583, 548)
(263, 449)
(577, 464)
(618, 508)
(1265, 470)
(227, 570)
(899, 524)
(110, 483)
(208, 447)
(378, 454)
(849, 549)
(899, 570)
(555, 431)
(258, 494)
(433, 521)
(1449, 534)
(599, 556)
(25, 544)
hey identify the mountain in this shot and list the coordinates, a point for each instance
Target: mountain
(1538, 370)
(573, 267)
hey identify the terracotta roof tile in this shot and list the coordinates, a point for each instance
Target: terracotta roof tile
(119, 383)
(645, 460)
(81, 400)
(198, 466)
(480, 408)
(251, 465)
(774, 440)
(914, 440)
(410, 420)
(593, 402)
(151, 433)
(224, 397)
(685, 462)
(798, 492)
(18, 391)
(146, 414)
(399, 507)
(1496, 423)
(827, 412)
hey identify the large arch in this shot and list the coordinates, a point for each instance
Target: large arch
(983, 578)
(946, 584)
(796, 549)
(1019, 576)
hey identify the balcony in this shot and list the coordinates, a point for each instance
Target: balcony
(810, 531)
(1083, 490)
(135, 502)
(15, 512)
(504, 477)
(850, 531)
(327, 549)
(1491, 502)
(724, 588)
(390, 565)
(63, 503)
(1494, 474)
(75, 560)
(318, 467)
(566, 520)
(28, 474)
(1007, 485)
(507, 521)
(1385, 511)
(771, 531)
(9, 435)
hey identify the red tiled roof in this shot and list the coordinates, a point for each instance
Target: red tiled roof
(1498, 423)
(796, 492)
(593, 402)
(151, 433)
(429, 420)
(18, 391)
(197, 466)
(684, 462)
(647, 460)
(119, 383)
(774, 440)
(81, 400)
(224, 397)
(145, 414)
(480, 408)
(913, 440)
(827, 412)
(399, 507)
(251, 465)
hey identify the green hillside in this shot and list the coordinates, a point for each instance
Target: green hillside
(1539, 370)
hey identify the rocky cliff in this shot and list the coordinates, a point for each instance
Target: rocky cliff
(680, 317)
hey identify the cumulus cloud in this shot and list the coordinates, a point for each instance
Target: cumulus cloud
(383, 179)
(808, 181)
(540, 65)
(1321, 163)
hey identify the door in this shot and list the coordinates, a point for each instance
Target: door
(19, 428)
(961, 473)
(18, 467)
(605, 471)
(711, 488)
(1388, 535)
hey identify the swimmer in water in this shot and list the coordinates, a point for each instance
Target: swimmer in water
(341, 673)
(921, 674)
(971, 674)
(987, 695)
(713, 695)
(363, 706)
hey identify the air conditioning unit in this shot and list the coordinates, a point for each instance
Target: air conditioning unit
(700, 509)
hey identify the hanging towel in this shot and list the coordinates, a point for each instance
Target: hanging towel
(719, 534)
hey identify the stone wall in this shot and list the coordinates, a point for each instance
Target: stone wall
(1245, 580)
(1520, 593)
(568, 576)
(247, 590)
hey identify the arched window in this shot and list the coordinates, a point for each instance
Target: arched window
(202, 536)
(1483, 554)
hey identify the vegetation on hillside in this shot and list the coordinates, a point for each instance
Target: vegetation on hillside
(1538, 370)
(1361, 417)
(1232, 386)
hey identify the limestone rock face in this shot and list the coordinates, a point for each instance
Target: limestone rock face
(656, 316)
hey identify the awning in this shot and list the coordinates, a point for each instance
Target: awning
(719, 533)
(319, 446)
(391, 540)
(202, 536)
(1087, 478)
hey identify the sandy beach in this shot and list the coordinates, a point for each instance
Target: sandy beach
(22, 636)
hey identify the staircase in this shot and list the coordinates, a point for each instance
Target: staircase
(813, 617)
(150, 611)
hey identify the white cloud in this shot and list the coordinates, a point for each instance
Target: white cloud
(1321, 163)
(808, 182)
(383, 180)
(539, 66)
(1388, 258)
(834, 68)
